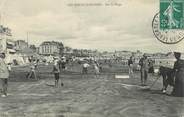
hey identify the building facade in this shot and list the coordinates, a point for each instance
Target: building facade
(51, 48)
(21, 44)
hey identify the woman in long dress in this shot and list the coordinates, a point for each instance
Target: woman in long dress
(179, 77)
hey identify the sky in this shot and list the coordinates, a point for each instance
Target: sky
(105, 28)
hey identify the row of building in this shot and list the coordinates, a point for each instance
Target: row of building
(47, 48)
(53, 48)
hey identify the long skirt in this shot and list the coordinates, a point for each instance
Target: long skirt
(179, 84)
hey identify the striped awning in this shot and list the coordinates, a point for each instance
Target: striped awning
(11, 50)
(10, 44)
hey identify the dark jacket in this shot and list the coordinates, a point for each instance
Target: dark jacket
(130, 61)
(144, 63)
(179, 78)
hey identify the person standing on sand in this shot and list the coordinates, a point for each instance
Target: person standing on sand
(178, 89)
(100, 67)
(32, 72)
(63, 64)
(56, 72)
(4, 75)
(85, 69)
(130, 65)
(97, 70)
(144, 63)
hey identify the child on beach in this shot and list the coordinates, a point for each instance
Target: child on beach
(97, 70)
(85, 68)
(56, 72)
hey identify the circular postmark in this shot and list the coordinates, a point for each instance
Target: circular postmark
(167, 36)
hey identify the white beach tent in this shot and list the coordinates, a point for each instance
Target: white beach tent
(18, 57)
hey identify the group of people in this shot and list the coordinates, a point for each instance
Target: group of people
(60, 66)
(97, 68)
(174, 76)
(178, 70)
(144, 64)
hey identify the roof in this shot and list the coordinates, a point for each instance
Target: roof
(52, 43)
(27, 51)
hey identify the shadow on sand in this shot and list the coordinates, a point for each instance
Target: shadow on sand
(153, 91)
(50, 85)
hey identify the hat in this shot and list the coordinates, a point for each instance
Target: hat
(144, 55)
(177, 54)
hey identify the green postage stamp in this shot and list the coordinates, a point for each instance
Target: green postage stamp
(171, 14)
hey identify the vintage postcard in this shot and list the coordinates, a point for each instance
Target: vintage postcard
(91, 58)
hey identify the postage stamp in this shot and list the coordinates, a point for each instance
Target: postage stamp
(168, 24)
(167, 35)
(171, 14)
